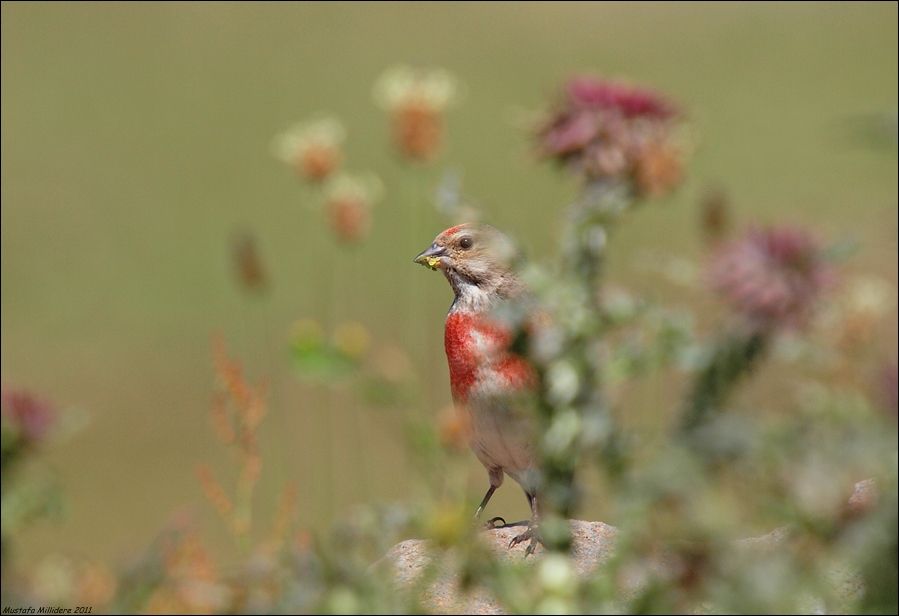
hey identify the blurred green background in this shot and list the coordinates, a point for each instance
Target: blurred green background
(136, 140)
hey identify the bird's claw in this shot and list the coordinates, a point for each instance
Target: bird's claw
(495, 522)
(532, 536)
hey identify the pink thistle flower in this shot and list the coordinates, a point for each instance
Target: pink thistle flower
(631, 101)
(30, 416)
(610, 131)
(569, 133)
(771, 277)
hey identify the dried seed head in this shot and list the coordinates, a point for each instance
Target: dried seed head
(416, 100)
(313, 148)
(348, 204)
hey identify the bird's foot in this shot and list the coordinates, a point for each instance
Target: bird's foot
(495, 522)
(532, 536)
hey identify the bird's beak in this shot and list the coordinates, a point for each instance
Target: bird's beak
(430, 257)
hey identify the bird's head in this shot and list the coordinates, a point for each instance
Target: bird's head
(477, 260)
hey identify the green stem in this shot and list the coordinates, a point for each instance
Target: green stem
(583, 257)
(733, 358)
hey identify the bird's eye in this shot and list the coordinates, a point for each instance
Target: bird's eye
(465, 243)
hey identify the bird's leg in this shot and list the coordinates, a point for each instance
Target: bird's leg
(532, 534)
(492, 522)
(496, 480)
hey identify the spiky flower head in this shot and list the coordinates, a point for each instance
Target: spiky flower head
(627, 100)
(772, 277)
(610, 130)
(416, 100)
(312, 148)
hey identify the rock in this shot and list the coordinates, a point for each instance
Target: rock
(593, 544)
(864, 498)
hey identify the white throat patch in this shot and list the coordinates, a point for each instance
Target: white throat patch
(471, 298)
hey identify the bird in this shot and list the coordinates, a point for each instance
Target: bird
(489, 382)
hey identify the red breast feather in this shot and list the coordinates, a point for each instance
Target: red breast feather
(478, 355)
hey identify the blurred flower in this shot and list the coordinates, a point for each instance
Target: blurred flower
(772, 277)
(348, 203)
(557, 575)
(284, 517)
(60, 579)
(191, 583)
(658, 168)
(237, 412)
(350, 219)
(317, 357)
(569, 133)
(447, 524)
(214, 491)
(28, 415)
(606, 130)
(313, 148)
(416, 100)
(248, 401)
(352, 340)
(862, 311)
(870, 295)
(630, 101)
(306, 333)
(53, 580)
(247, 262)
(96, 584)
(454, 427)
(343, 600)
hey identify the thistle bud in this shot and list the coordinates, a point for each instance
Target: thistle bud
(247, 262)
(714, 215)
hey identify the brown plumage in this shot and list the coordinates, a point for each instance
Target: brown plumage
(489, 383)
